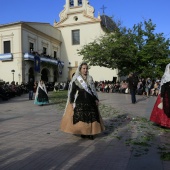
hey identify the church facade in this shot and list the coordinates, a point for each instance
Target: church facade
(42, 51)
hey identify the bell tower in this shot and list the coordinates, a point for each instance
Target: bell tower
(75, 3)
(76, 7)
(70, 4)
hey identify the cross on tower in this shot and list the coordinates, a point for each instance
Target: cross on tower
(103, 8)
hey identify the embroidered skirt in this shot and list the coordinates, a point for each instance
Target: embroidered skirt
(79, 123)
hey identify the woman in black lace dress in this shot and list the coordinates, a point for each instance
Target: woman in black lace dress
(41, 96)
(81, 114)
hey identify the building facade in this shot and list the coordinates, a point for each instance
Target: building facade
(20, 43)
(78, 27)
(55, 46)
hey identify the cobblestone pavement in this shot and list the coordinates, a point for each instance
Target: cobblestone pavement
(30, 138)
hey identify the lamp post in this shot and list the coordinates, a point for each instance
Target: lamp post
(13, 71)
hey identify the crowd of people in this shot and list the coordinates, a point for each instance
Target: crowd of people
(10, 90)
(145, 86)
(81, 115)
(43, 55)
(59, 86)
(13, 89)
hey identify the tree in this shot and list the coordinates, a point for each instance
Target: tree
(130, 50)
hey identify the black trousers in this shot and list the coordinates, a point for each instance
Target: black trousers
(133, 95)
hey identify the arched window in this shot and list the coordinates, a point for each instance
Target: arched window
(71, 3)
(79, 2)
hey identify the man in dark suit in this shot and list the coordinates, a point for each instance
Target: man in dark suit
(132, 85)
(31, 88)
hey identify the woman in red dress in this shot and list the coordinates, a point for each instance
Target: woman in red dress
(161, 114)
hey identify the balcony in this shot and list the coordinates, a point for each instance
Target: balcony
(6, 57)
(51, 60)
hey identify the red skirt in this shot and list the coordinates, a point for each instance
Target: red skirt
(158, 116)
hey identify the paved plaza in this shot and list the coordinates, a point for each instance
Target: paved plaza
(30, 138)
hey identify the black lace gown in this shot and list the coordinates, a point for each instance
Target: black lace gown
(41, 98)
(165, 93)
(85, 110)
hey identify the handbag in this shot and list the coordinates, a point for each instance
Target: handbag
(160, 105)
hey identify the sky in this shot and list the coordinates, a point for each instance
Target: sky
(129, 12)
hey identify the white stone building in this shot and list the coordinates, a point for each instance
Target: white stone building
(18, 40)
(56, 46)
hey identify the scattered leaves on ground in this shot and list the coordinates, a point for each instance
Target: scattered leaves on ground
(136, 132)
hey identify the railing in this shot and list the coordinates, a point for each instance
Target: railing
(29, 56)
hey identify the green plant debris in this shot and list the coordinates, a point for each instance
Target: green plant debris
(141, 143)
(162, 148)
(137, 132)
(119, 137)
(165, 156)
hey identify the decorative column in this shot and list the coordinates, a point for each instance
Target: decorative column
(75, 2)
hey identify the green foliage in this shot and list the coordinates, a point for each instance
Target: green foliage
(130, 50)
(165, 156)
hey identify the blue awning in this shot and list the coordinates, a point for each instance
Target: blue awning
(6, 57)
(28, 56)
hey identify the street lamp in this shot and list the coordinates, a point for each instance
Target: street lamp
(13, 71)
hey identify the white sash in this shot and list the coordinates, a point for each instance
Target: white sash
(84, 85)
